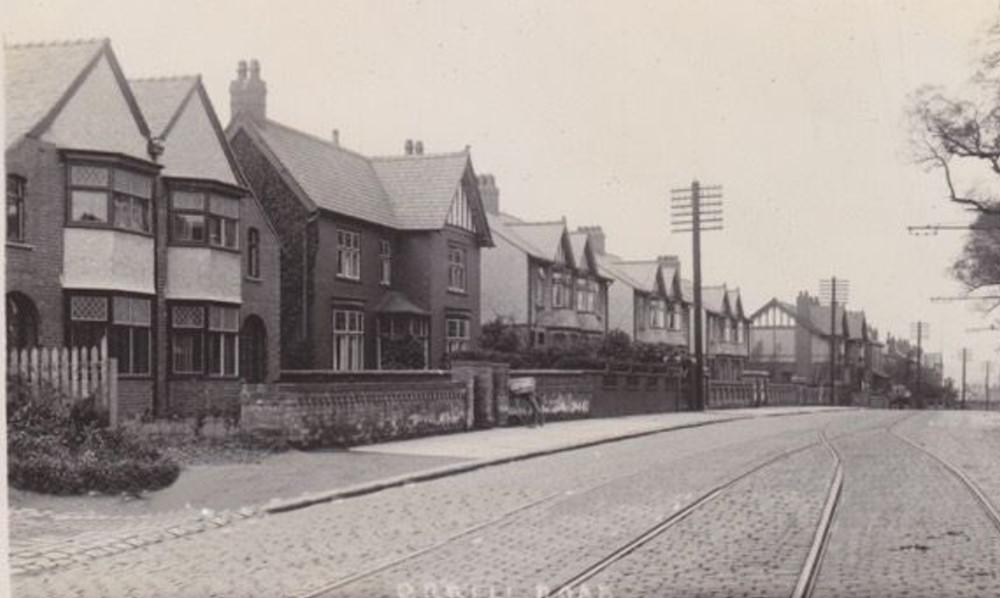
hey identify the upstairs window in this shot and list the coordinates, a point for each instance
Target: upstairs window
(253, 253)
(15, 208)
(110, 197)
(540, 288)
(349, 254)
(657, 313)
(456, 268)
(560, 290)
(586, 295)
(198, 218)
(385, 262)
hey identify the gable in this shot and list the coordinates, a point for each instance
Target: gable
(560, 257)
(773, 316)
(461, 214)
(193, 147)
(98, 116)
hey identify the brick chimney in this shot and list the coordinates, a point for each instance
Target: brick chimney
(668, 260)
(418, 148)
(248, 92)
(408, 147)
(489, 193)
(595, 234)
(335, 137)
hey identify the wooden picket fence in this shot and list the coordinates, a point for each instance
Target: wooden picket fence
(77, 373)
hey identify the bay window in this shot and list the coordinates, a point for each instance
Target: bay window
(124, 320)
(200, 218)
(110, 197)
(205, 339)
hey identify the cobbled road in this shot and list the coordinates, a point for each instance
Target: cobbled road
(524, 528)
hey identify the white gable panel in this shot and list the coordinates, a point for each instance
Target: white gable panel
(193, 149)
(97, 117)
(460, 214)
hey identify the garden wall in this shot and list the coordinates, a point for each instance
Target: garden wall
(634, 394)
(562, 394)
(335, 410)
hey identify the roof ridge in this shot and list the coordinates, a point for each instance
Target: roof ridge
(163, 78)
(327, 142)
(66, 42)
(538, 223)
(386, 158)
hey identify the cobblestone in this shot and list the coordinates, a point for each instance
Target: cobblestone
(286, 553)
(906, 527)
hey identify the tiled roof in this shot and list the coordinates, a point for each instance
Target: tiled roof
(498, 228)
(412, 192)
(607, 265)
(395, 302)
(545, 236)
(160, 98)
(421, 187)
(37, 76)
(643, 271)
(735, 302)
(334, 178)
(819, 317)
(713, 299)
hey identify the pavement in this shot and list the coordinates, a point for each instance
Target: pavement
(47, 532)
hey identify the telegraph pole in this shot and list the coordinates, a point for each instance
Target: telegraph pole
(965, 354)
(921, 330)
(828, 292)
(687, 215)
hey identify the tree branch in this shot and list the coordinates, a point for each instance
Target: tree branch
(978, 205)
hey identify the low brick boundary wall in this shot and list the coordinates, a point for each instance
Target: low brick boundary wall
(318, 414)
(562, 394)
(621, 393)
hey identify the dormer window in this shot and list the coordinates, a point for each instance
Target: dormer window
(102, 196)
(200, 218)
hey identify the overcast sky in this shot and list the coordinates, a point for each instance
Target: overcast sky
(594, 110)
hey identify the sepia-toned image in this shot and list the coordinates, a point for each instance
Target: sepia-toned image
(473, 299)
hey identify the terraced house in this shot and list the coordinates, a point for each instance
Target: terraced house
(128, 220)
(541, 278)
(380, 255)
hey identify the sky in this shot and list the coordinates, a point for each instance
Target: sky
(595, 110)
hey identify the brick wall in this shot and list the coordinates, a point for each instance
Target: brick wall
(34, 267)
(134, 398)
(190, 396)
(348, 413)
(561, 394)
(262, 296)
(632, 394)
(298, 243)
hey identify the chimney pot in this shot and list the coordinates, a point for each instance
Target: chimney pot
(335, 137)
(489, 194)
(254, 69)
(241, 70)
(408, 147)
(418, 148)
(248, 96)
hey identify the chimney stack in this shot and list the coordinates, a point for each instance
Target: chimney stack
(408, 147)
(418, 148)
(489, 193)
(248, 95)
(335, 137)
(595, 234)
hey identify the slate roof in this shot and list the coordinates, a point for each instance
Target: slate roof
(819, 318)
(607, 265)
(545, 237)
(642, 271)
(395, 302)
(39, 76)
(498, 228)
(412, 192)
(422, 187)
(160, 99)
(713, 299)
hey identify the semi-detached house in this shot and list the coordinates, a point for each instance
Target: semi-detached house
(380, 255)
(129, 221)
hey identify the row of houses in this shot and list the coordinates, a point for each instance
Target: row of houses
(207, 256)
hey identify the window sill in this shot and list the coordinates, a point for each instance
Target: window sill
(253, 279)
(108, 227)
(342, 278)
(204, 246)
(20, 245)
(135, 376)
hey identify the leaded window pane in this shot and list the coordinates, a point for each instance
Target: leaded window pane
(88, 308)
(186, 200)
(188, 316)
(224, 206)
(225, 319)
(88, 176)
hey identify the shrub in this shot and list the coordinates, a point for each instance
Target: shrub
(59, 446)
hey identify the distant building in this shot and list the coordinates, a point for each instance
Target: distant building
(541, 278)
(379, 253)
(726, 333)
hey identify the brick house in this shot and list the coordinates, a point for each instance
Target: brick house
(380, 255)
(93, 165)
(792, 342)
(543, 279)
(726, 332)
(646, 299)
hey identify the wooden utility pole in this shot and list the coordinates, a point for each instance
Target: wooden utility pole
(830, 290)
(687, 216)
(965, 353)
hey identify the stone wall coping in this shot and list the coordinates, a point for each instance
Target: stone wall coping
(347, 374)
